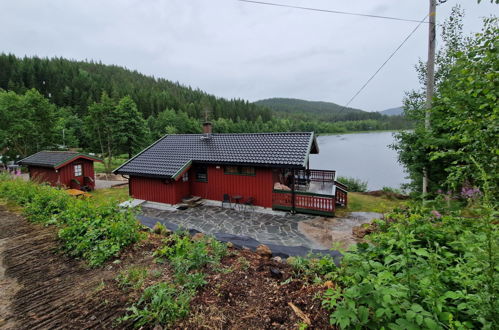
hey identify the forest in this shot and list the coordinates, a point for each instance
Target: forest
(69, 92)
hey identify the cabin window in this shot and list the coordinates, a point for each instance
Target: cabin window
(239, 170)
(78, 170)
(202, 174)
(231, 170)
(185, 177)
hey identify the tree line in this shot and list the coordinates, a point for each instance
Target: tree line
(58, 103)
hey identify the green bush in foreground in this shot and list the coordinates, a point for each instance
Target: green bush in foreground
(94, 232)
(425, 269)
(164, 303)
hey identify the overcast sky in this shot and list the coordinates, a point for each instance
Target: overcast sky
(239, 50)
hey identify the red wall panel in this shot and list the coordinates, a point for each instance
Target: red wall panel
(44, 174)
(258, 186)
(155, 190)
(63, 175)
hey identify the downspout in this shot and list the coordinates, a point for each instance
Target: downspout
(293, 196)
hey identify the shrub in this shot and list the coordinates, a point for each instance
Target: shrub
(162, 304)
(185, 254)
(420, 271)
(354, 185)
(313, 267)
(94, 232)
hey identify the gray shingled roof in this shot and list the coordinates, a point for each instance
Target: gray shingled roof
(172, 153)
(51, 158)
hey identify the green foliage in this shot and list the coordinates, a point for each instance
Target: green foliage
(97, 232)
(313, 111)
(425, 269)
(313, 267)
(133, 277)
(94, 231)
(185, 254)
(463, 115)
(161, 303)
(353, 184)
(114, 128)
(28, 124)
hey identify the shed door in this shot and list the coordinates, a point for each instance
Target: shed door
(78, 172)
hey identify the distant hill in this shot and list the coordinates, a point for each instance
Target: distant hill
(393, 111)
(317, 109)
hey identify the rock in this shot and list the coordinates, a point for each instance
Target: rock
(277, 259)
(198, 237)
(275, 272)
(264, 251)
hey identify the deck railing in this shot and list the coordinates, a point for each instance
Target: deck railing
(317, 175)
(304, 202)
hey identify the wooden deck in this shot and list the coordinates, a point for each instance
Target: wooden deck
(316, 192)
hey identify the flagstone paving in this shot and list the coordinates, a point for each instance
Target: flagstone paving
(281, 229)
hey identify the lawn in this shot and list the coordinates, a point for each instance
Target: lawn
(359, 202)
(119, 195)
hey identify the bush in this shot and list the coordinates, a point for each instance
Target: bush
(425, 269)
(94, 232)
(162, 304)
(354, 185)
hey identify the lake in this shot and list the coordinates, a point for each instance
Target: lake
(365, 156)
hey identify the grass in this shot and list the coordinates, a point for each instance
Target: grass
(102, 196)
(358, 202)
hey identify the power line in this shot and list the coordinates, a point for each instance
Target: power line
(384, 63)
(332, 11)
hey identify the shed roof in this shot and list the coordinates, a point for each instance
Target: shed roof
(172, 154)
(54, 159)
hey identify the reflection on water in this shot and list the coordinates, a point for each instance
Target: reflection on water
(365, 156)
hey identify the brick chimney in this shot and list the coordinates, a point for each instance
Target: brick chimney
(207, 128)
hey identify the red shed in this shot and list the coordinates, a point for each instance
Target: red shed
(62, 168)
(265, 169)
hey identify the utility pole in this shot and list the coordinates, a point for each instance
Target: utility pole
(430, 78)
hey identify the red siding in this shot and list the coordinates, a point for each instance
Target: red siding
(155, 190)
(44, 174)
(63, 175)
(258, 186)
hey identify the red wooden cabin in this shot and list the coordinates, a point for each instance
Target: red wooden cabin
(270, 168)
(62, 168)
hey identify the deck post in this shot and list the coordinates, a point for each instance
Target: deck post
(293, 196)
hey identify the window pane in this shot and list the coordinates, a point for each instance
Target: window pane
(231, 170)
(78, 170)
(247, 170)
(202, 174)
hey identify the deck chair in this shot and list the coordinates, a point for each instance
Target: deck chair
(226, 200)
(250, 203)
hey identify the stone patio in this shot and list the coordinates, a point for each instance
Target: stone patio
(279, 228)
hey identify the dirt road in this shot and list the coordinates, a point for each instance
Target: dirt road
(41, 289)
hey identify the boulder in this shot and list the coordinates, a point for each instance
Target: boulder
(264, 251)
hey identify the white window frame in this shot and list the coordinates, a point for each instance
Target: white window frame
(78, 170)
